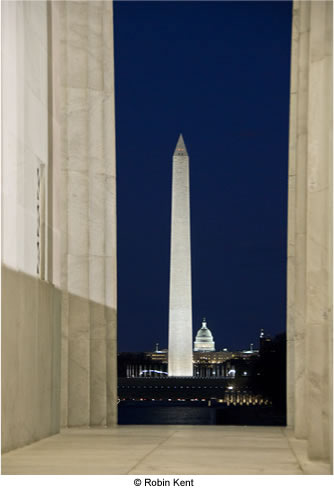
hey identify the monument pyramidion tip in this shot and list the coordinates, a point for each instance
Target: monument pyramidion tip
(180, 147)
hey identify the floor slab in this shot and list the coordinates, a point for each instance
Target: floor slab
(299, 448)
(180, 450)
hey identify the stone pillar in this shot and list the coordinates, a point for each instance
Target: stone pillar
(319, 229)
(85, 133)
(297, 218)
(309, 323)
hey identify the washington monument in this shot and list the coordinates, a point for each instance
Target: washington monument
(180, 303)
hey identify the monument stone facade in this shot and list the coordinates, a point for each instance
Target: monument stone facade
(180, 298)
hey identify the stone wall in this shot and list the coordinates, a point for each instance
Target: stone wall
(309, 299)
(59, 353)
(30, 302)
(30, 359)
(25, 135)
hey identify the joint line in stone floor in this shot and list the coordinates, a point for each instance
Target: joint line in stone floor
(292, 449)
(151, 451)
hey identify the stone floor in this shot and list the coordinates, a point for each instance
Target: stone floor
(165, 450)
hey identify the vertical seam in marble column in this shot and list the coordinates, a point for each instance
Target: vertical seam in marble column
(300, 209)
(49, 220)
(64, 121)
(104, 218)
(20, 126)
(97, 212)
(87, 143)
(291, 214)
(61, 40)
(49, 237)
(105, 228)
(89, 223)
(110, 225)
(81, 412)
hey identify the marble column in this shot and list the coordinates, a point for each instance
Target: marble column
(319, 229)
(300, 219)
(290, 300)
(85, 134)
(309, 321)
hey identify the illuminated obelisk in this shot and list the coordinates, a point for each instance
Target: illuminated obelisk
(180, 303)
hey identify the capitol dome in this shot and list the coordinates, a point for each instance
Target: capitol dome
(204, 340)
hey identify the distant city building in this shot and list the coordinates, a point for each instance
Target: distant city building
(265, 342)
(206, 361)
(215, 357)
(204, 340)
(198, 356)
(158, 355)
(245, 354)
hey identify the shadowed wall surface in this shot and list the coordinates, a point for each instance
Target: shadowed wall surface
(30, 359)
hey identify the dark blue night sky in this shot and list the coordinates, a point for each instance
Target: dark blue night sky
(219, 73)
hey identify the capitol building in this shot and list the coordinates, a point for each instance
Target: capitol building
(204, 349)
(204, 339)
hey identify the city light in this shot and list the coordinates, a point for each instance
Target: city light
(152, 371)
